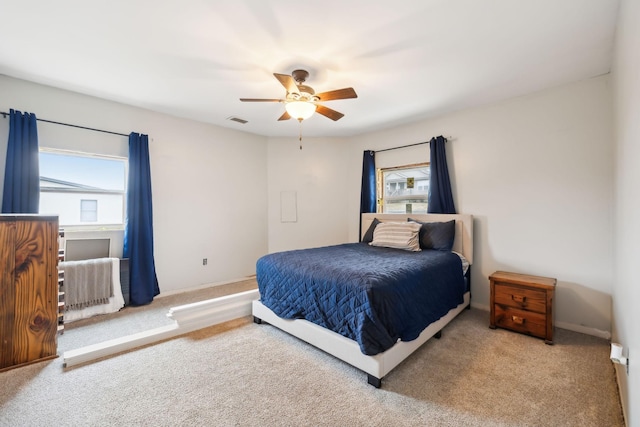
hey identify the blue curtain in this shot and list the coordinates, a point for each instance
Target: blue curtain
(21, 193)
(440, 196)
(138, 231)
(368, 189)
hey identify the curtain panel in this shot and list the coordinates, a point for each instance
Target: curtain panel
(21, 192)
(368, 191)
(440, 196)
(138, 232)
(368, 188)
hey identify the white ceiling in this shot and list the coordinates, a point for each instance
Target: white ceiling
(406, 59)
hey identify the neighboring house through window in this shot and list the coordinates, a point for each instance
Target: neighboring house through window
(403, 189)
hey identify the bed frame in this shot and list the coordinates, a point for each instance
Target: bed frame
(348, 350)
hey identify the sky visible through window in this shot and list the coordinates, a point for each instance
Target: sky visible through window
(106, 174)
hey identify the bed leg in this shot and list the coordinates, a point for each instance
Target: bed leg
(376, 382)
(257, 320)
(438, 335)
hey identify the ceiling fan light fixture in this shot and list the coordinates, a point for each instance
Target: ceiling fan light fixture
(301, 101)
(300, 110)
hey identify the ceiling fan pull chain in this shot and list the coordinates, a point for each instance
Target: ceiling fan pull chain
(300, 137)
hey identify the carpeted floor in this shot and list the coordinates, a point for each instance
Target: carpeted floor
(243, 374)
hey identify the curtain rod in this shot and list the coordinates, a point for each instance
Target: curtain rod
(447, 139)
(5, 114)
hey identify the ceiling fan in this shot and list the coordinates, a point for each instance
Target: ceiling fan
(301, 100)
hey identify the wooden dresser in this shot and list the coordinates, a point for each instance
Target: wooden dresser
(522, 303)
(28, 289)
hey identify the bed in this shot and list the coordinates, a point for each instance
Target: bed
(369, 306)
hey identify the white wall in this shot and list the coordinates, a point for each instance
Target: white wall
(208, 196)
(626, 291)
(318, 176)
(536, 172)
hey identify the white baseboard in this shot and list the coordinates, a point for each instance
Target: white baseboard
(163, 294)
(191, 317)
(480, 307)
(584, 330)
(188, 318)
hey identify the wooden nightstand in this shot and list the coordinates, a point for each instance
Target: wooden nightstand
(523, 303)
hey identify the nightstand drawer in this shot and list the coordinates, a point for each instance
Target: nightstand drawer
(519, 297)
(521, 321)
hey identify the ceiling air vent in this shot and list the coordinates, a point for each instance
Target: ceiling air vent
(237, 119)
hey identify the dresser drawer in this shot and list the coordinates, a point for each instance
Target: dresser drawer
(519, 297)
(526, 322)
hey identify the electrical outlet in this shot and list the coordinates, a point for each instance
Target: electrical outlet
(628, 362)
(204, 261)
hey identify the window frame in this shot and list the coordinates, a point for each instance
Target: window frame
(380, 184)
(123, 193)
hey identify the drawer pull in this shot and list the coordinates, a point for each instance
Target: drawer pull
(519, 299)
(518, 320)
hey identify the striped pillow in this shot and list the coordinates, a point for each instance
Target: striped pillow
(398, 235)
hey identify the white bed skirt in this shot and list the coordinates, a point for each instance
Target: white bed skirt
(116, 302)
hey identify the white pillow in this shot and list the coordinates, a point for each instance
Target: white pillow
(398, 235)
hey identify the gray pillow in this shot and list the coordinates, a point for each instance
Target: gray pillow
(437, 235)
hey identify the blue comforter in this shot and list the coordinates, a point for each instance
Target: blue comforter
(372, 295)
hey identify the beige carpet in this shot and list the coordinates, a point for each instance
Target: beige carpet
(243, 374)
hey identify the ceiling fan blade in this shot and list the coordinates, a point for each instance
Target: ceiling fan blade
(260, 100)
(345, 93)
(328, 112)
(288, 82)
(284, 116)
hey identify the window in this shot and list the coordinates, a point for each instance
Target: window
(88, 210)
(83, 189)
(404, 189)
